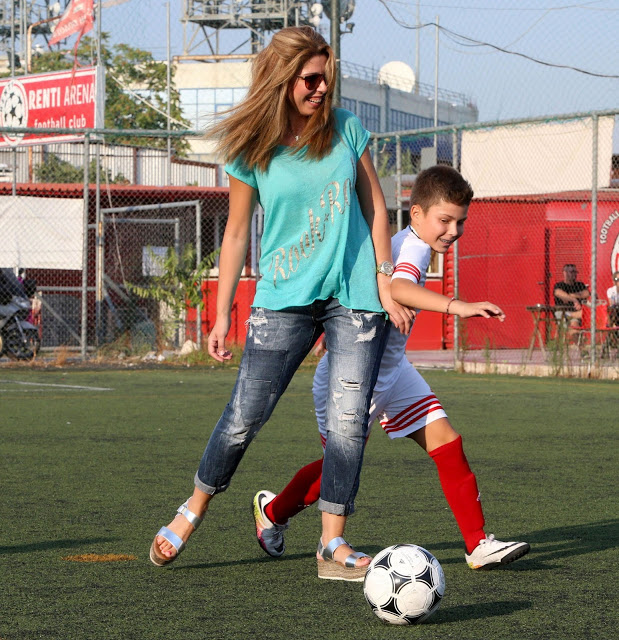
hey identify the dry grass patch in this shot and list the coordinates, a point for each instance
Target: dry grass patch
(100, 557)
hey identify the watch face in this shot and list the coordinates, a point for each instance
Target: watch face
(386, 268)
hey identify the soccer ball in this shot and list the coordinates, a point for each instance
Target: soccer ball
(404, 584)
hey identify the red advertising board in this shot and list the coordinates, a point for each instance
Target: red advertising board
(608, 243)
(57, 100)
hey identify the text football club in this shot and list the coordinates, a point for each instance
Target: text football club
(58, 100)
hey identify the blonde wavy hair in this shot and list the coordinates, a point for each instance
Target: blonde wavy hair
(254, 127)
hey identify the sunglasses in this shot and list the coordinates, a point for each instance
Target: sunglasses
(313, 80)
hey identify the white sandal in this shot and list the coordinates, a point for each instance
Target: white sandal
(330, 569)
(175, 540)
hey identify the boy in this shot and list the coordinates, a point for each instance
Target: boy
(402, 400)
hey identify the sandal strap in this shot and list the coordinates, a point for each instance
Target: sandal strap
(351, 560)
(327, 551)
(193, 519)
(176, 541)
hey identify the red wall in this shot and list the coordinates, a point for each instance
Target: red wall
(513, 251)
(428, 333)
(501, 259)
(241, 309)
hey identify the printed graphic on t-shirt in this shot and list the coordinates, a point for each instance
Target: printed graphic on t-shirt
(286, 261)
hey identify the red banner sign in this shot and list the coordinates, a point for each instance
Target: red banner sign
(77, 18)
(58, 100)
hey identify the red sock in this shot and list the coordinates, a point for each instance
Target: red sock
(302, 491)
(460, 488)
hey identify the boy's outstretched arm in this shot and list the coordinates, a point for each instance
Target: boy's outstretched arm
(410, 294)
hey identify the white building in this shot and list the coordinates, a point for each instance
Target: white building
(383, 100)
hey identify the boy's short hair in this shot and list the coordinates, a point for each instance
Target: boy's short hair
(440, 182)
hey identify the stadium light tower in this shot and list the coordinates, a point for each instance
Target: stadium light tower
(18, 18)
(230, 26)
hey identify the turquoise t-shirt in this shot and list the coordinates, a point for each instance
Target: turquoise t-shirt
(316, 243)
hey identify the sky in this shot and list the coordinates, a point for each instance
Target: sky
(557, 51)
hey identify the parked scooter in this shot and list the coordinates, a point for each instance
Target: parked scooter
(19, 338)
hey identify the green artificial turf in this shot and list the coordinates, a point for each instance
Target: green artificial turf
(87, 471)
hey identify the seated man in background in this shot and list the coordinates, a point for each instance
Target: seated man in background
(571, 293)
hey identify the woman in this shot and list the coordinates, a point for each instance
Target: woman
(325, 231)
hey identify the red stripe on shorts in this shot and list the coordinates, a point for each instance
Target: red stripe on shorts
(412, 414)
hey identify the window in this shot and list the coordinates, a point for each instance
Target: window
(403, 121)
(369, 114)
(350, 104)
(199, 106)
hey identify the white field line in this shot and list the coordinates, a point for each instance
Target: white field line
(61, 386)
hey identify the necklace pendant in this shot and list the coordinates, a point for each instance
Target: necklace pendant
(296, 138)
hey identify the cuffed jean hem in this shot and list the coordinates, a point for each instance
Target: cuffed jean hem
(336, 509)
(205, 488)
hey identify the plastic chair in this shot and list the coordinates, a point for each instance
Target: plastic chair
(605, 335)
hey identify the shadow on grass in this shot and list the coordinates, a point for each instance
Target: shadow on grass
(575, 540)
(556, 543)
(243, 562)
(546, 545)
(50, 544)
(476, 611)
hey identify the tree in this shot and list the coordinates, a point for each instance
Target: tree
(180, 284)
(130, 73)
(56, 170)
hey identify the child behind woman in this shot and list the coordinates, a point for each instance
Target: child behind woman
(402, 400)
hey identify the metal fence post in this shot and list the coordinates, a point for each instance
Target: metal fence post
(398, 180)
(198, 261)
(99, 244)
(84, 327)
(594, 226)
(375, 153)
(454, 161)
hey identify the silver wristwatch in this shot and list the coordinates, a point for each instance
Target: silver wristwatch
(385, 268)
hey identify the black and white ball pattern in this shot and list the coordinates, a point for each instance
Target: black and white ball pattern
(404, 584)
(13, 109)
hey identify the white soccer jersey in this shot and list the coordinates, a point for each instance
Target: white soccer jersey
(411, 259)
(402, 400)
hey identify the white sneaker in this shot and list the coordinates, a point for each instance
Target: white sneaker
(270, 535)
(491, 553)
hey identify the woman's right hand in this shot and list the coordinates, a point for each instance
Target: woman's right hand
(217, 340)
(231, 260)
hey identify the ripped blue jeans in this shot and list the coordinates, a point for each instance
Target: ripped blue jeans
(277, 343)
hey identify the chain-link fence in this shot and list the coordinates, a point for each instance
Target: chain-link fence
(118, 260)
(544, 222)
(116, 256)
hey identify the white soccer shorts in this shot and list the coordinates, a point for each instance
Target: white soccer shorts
(403, 406)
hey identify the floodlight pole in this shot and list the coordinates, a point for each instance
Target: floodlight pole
(335, 45)
(169, 97)
(99, 30)
(417, 49)
(436, 85)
